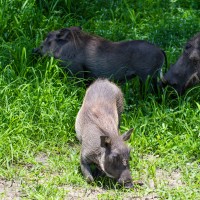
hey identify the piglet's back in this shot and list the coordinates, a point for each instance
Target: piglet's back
(102, 105)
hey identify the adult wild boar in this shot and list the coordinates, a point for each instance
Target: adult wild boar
(97, 126)
(185, 73)
(90, 56)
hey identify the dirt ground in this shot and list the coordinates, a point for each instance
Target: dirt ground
(11, 190)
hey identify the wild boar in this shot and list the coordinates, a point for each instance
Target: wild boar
(90, 56)
(97, 126)
(185, 73)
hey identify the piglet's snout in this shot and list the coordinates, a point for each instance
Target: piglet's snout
(125, 179)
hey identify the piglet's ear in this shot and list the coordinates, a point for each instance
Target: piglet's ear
(125, 136)
(105, 141)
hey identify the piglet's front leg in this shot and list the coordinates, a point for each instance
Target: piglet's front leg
(85, 168)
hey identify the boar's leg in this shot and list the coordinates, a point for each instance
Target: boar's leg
(148, 85)
(75, 69)
(82, 72)
(85, 168)
(154, 84)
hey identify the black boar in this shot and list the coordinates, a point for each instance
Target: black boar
(97, 126)
(185, 73)
(89, 56)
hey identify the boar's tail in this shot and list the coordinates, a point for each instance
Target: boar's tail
(165, 68)
(165, 60)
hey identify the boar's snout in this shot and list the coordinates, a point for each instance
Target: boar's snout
(128, 185)
(125, 179)
(166, 79)
(171, 80)
(194, 56)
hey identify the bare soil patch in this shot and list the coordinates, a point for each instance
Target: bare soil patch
(42, 158)
(76, 193)
(9, 190)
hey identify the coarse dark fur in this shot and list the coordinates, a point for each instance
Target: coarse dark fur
(90, 56)
(185, 73)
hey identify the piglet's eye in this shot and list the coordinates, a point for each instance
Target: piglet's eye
(114, 155)
(188, 46)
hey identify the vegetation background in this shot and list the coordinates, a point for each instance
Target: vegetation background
(39, 153)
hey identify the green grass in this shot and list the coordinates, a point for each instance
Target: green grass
(39, 102)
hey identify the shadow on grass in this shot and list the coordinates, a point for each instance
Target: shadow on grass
(107, 183)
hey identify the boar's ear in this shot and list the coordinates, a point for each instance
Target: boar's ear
(105, 141)
(63, 34)
(76, 28)
(125, 136)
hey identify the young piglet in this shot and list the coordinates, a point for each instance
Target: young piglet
(97, 126)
